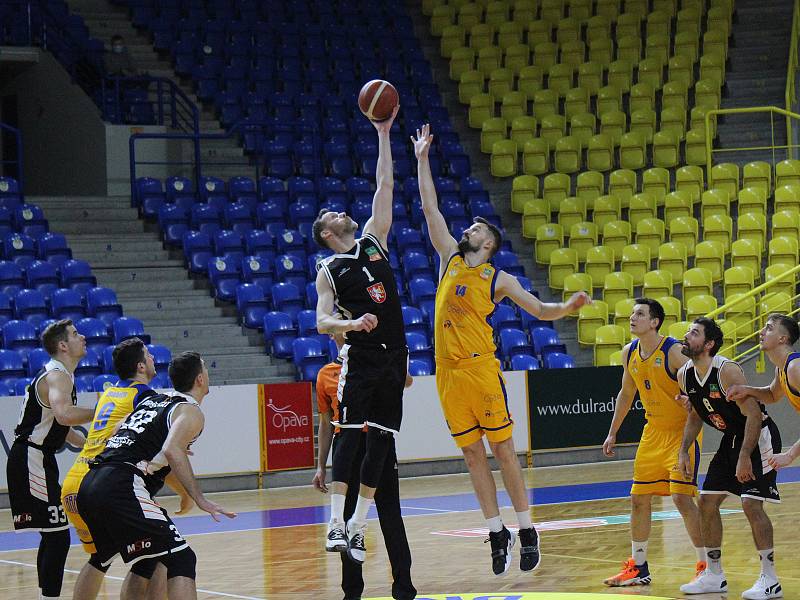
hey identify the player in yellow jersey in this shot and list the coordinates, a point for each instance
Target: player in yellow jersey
(468, 376)
(649, 366)
(134, 364)
(777, 339)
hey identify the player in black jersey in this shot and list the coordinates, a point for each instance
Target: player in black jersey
(48, 412)
(740, 466)
(116, 495)
(358, 282)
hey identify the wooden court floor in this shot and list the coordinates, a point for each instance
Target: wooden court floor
(288, 562)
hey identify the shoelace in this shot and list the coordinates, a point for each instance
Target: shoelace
(358, 540)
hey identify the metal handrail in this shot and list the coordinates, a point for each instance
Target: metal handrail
(19, 161)
(791, 72)
(173, 106)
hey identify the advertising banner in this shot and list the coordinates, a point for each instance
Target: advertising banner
(288, 426)
(571, 408)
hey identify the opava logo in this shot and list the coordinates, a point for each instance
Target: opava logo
(284, 418)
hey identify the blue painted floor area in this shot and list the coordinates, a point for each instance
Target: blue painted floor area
(315, 515)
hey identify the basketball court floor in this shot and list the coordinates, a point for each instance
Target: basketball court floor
(274, 549)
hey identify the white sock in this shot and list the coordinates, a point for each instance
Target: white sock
(337, 507)
(362, 507)
(524, 519)
(495, 524)
(639, 552)
(701, 554)
(714, 559)
(768, 562)
(43, 597)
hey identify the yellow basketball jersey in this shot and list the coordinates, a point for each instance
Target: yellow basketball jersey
(791, 393)
(464, 304)
(116, 403)
(657, 386)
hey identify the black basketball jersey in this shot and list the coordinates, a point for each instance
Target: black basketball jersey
(363, 282)
(708, 397)
(142, 435)
(37, 423)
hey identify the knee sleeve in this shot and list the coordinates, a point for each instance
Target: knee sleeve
(344, 453)
(181, 564)
(53, 551)
(145, 568)
(96, 563)
(379, 442)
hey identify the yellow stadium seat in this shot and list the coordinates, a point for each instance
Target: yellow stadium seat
(535, 213)
(786, 223)
(504, 158)
(728, 338)
(568, 30)
(699, 306)
(453, 36)
(501, 81)
(523, 129)
(710, 255)
(563, 262)
(609, 9)
(650, 71)
(571, 210)
(470, 15)
(666, 149)
(582, 126)
(657, 283)
(757, 174)
(738, 280)
(481, 107)
(535, 157)
(589, 185)
(441, 17)
(650, 232)
(712, 68)
(481, 36)
(601, 51)
(696, 281)
(678, 330)
(629, 48)
(672, 258)
(609, 339)
(774, 302)
(787, 197)
(598, 27)
(580, 9)
(573, 53)
(695, 147)
(622, 315)
(787, 172)
(552, 128)
(752, 201)
(493, 130)
(606, 209)
(681, 68)
(568, 155)
(628, 25)
(576, 102)
(675, 95)
(514, 105)
(600, 153)
(523, 189)
(614, 124)
(509, 33)
(742, 312)
(599, 263)
(582, 236)
(673, 311)
(637, 7)
(687, 44)
(655, 181)
(698, 120)
(684, 230)
(622, 183)
(715, 42)
(616, 287)
(559, 78)
(677, 204)
(659, 22)
(707, 93)
(525, 11)
(429, 5)
(497, 12)
(752, 226)
(590, 77)
(557, 186)
(461, 60)
(643, 122)
(617, 235)
(690, 180)
(549, 237)
(470, 85)
(719, 18)
(538, 32)
(552, 10)
(545, 54)
(719, 228)
(783, 283)
(783, 251)
(632, 151)
(590, 318)
(690, 14)
(747, 253)
(489, 59)
(641, 206)
(576, 282)
(643, 97)
(545, 104)
(715, 202)
(636, 261)
(674, 120)
(530, 80)
(620, 75)
(516, 57)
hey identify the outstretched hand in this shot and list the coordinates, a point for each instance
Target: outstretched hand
(577, 300)
(385, 125)
(422, 142)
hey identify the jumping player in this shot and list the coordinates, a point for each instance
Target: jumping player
(741, 465)
(469, 378)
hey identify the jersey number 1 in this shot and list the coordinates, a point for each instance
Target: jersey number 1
(370, 278)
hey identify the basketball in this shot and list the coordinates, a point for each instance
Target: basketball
(377, 100)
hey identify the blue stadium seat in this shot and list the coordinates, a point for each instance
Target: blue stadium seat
(21, 385)
(161, 382)
(422, 289)
(10, 194)
(416, 265)
(239, 217)
(414, 320)
(288, 240)
(508, 262)
(53, 248)
(161, 357)
(67, 304)
(150, 197)
(84, 383)
(513, 342)
(37, 358)
(102, 303)
(95, 332)
(418, 367)
(286, 298)
(524, 362)
(77, 275)
(505, 317)
(20, 336)
(252, 305)
(179, 188)
(108, 360)
(212, 188)
(258, 270)
(269, 212)
(29, 219)
(206, 217)
(11, 278)
(557, 360)
(43, 277)
(89, 365)
(309, 357)
(128, 327)
(546, 340)
(30, 306)
(197, 250)
(279, 332)
(419, 348)
(102, 382)
(228, 244)
(291, 269)
(173, 220)
(20, 248)
(225, 274)
(259, 242)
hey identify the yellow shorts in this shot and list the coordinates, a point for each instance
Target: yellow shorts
(69, 492)
(474, 401)
(655, 469)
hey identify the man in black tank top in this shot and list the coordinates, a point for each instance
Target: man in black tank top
(116, 495)
(740, 466)
(358, 283)
(48, 413)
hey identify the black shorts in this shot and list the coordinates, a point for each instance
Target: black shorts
(123, 518)
(371, 386)
(721, 476)
(33, 489)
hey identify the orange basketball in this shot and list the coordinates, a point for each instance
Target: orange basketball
(377, 99)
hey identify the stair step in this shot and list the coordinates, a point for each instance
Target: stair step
(182, 320)
(95, 246)
(78, 202)
(80, 227)
(243, 361)
(168, 304)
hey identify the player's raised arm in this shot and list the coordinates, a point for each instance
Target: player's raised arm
(508, 286)
(622, 404)
(768, 394)
(444, 243)
(381, 220)
(56, 387)
(330, 323)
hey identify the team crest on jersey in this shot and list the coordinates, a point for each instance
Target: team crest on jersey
(374, 255)
(377, 292)
(487, 272)
(658, 362)
(714, 391)
(718, 421)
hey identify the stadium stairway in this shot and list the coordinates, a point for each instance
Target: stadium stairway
(105, 20)
(756, 76)
(499, 189)
(127, 256)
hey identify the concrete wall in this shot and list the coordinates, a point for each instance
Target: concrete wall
(117, 150)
